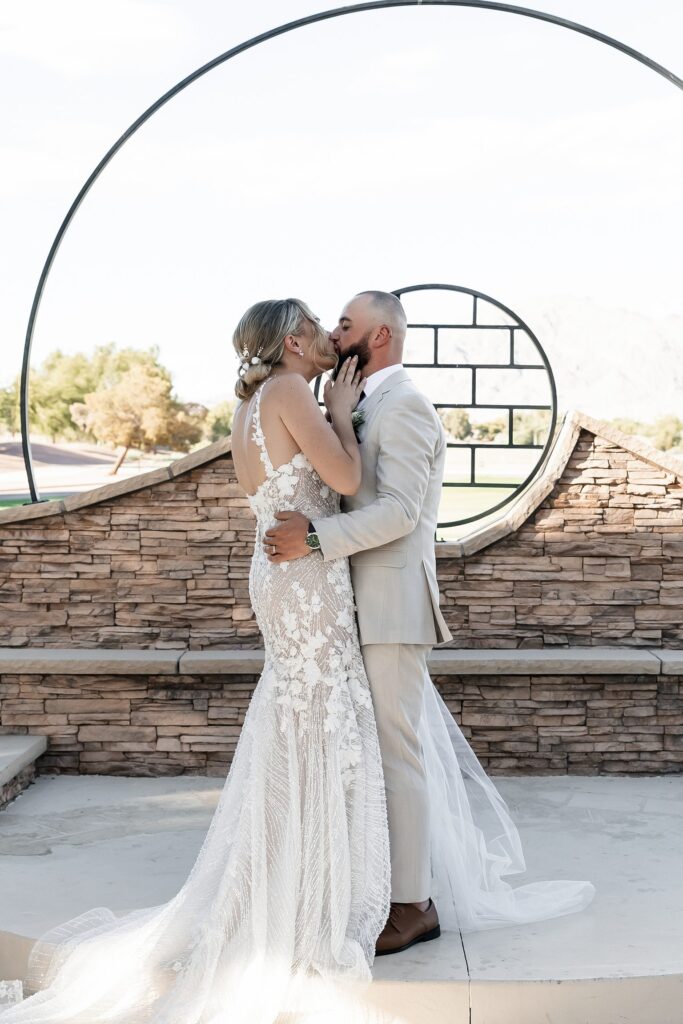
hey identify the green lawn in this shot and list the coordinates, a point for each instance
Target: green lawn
(462, 502)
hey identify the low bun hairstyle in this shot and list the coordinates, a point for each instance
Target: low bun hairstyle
(259, 340)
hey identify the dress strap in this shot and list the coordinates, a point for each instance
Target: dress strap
(257, 431)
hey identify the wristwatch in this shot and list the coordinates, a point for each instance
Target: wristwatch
(312, 538)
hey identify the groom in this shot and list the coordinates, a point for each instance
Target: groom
(387, 528)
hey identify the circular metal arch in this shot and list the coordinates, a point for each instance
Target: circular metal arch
(519, 324)
(311, 19)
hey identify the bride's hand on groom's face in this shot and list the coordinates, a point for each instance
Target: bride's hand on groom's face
(341, 396)
(288, 540)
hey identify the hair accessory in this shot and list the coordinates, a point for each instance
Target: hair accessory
(247, 362)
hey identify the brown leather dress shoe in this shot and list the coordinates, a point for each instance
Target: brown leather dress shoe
(406, 926)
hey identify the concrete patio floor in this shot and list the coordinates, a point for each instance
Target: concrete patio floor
(69, 843)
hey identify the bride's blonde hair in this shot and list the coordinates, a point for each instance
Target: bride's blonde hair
(259, 340)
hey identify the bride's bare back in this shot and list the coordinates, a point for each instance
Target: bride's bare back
(245, 452)
(292, 422)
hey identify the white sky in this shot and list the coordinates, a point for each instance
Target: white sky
(378, 150)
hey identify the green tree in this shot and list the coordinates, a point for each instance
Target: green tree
(54, 387)
(531, 426)
(186, 425)
(489, 430)
(631, 426)
(62, 381)
(9, 408)
(110, 363)
(139, 411)
(218, 421)
(457, 423)
(667, 432)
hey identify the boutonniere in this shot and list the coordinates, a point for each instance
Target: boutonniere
(357, 417)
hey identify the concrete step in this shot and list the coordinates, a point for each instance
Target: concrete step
(71, 843)
(18, 754)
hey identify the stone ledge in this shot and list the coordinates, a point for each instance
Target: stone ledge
(26, 513)
(632, 443)
(442, 661)
(672, 662)
(79, 661)
(544, 661)
(215, 450)
(105, 492)
(83, 499)
(17, 752)
(468, 661)
(217, 662)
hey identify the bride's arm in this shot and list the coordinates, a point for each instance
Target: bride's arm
(332, 449)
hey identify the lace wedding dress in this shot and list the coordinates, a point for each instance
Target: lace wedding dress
(278, 917)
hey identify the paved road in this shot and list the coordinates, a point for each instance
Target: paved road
(62, 469)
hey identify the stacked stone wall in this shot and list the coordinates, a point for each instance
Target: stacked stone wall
(593, 559)
(189, 724)
(598, 561)
(166, 566)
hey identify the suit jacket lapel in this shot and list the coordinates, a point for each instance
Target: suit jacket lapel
(371, 403)
(373, 400)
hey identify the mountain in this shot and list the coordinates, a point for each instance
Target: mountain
(608, 361)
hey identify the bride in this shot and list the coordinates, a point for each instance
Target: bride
(280, 913)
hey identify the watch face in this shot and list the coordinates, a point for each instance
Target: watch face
(313, 540)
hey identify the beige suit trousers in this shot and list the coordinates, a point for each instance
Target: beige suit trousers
(398, 674)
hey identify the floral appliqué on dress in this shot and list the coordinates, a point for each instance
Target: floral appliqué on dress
(305, 609)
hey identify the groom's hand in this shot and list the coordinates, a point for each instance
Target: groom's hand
(288, 539)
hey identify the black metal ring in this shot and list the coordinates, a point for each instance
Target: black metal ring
(519, 324)
(228, 55)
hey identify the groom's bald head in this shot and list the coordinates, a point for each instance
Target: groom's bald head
(372, 325)
(386, 308)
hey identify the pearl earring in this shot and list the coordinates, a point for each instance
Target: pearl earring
(301, 352)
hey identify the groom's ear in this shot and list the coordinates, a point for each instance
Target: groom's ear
(383, 336)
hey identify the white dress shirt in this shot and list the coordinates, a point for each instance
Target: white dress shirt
(376, 378)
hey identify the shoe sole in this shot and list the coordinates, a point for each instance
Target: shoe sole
(433, 934)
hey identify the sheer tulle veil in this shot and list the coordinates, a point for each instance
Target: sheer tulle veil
(474, 841)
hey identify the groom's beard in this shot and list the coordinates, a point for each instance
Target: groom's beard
(359, 348)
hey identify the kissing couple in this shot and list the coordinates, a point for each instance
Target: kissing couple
(355, 819)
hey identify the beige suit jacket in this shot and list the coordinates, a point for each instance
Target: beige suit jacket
(387, 528)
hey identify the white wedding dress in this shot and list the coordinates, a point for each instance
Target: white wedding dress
(278, 917)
